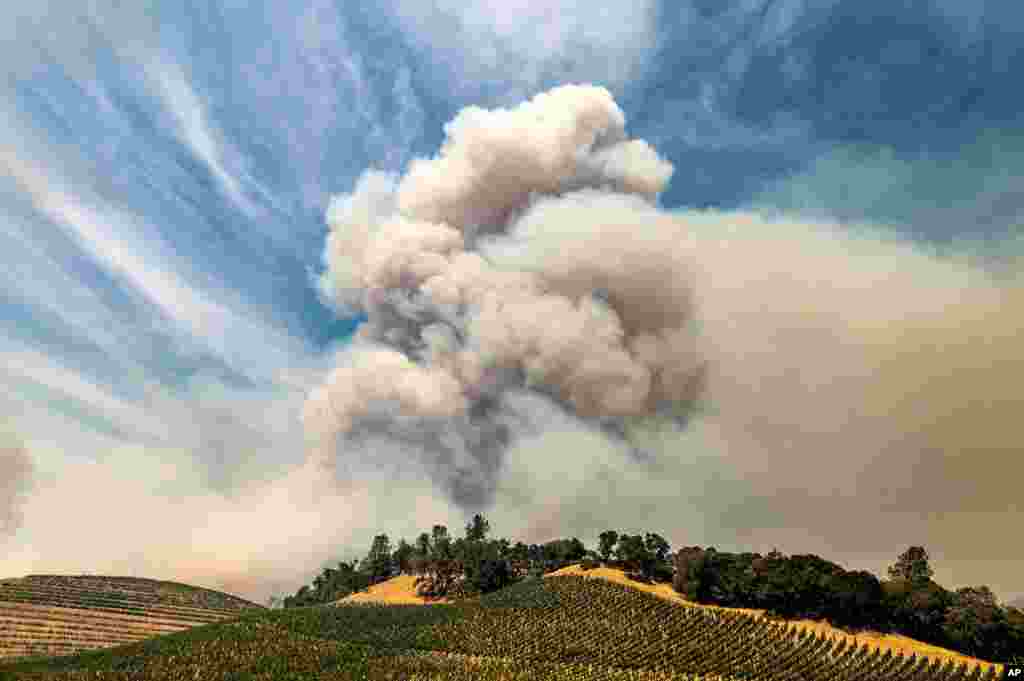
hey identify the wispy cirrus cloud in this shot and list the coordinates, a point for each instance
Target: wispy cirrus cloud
(197, 132)
(527, 43)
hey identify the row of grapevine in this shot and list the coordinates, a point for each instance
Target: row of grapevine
(454, 667)
(140, 588)
(616, 626)
(60, 615)
(237, 650)
(105, 600)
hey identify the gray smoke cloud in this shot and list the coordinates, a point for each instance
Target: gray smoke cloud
(449, 330)
(16, 473)
(550, 344)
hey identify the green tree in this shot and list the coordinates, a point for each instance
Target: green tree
(477, 528)
(656, 565)
(441, 543)
(559, 552)
(912, 565)
(690, 578)
(606, 544)
(535, 552)
(573, 550)
(854, 599)
(917, 609)
(403, 555)
(657, 546)
(493, 575)
(975, 624)
(422, 548)
(519, 551)
(632, 551)
(378, 561)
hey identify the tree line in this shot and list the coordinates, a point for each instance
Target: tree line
(804, 586)
(475, 563)
(969, 620)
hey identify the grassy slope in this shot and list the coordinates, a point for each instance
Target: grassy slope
(560, 628)
(399, 590)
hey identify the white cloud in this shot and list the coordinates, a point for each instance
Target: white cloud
(195, 129)
(523, 42)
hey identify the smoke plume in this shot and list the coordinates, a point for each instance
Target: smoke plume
(450, 331)
(548, 342)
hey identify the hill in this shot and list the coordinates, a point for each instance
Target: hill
(560, 627)
(894, 643)
(796, 587)
(400, 590)
(54, 614)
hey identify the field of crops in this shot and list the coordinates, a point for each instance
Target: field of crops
(44, 614)
(614, 625)
(565, 628)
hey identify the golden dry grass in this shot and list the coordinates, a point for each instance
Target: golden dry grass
(896, 643)
(661, 590)
(399, 590)
(893, 642)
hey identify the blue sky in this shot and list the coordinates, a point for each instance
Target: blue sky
(165, 171)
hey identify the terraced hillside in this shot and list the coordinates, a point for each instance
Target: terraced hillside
(53, 614)
(560, 628)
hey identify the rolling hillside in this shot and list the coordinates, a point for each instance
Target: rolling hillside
(402, 590)
(894, 643)
(50, 614)
(561, 627)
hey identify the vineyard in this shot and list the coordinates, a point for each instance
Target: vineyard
(564, 627)
(43, 614)
(895, 643)
(616, 626)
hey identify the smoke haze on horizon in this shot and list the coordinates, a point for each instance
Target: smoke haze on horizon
(580, 306)
(839, 368)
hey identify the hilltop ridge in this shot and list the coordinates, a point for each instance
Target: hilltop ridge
(61, 614)
(904, 604)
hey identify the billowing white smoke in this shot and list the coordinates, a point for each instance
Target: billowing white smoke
(449, 330)
(553, 347)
